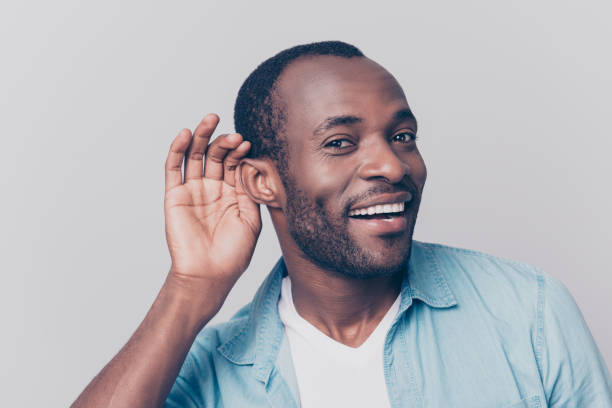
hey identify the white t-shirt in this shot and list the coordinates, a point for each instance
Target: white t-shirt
(329, 373)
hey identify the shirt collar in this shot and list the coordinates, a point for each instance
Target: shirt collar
(424, 280)
(258, 341)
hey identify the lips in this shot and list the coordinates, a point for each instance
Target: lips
(382, 215)
(383, 203)
(379, 209)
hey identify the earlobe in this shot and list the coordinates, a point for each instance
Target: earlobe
(260, 181)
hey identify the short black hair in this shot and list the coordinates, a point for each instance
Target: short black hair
(259, 115)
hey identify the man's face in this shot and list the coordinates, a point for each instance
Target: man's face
(350, 135)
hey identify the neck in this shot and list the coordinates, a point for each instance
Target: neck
(345, 309)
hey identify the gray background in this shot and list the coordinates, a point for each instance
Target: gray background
(513, 102)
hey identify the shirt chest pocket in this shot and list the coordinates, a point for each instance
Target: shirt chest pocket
(531, 402)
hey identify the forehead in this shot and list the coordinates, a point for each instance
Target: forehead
(314, 88)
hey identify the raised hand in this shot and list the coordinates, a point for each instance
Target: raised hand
(211, 228)
(211, 223)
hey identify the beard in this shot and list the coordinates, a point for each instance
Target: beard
(325, 240)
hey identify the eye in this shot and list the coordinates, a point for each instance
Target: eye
(404, 137)
(339, 144)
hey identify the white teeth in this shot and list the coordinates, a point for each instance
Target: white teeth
(378, 209)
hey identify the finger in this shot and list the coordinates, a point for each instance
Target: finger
(231, 162)
(199, 143)
(218, 149)
(174, 161)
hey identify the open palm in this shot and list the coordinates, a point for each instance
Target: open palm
(211, 223)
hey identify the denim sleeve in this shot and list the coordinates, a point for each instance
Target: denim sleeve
(573, 371)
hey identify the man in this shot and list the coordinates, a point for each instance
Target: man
(355, 313)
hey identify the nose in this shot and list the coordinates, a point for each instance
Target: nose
(380, 161)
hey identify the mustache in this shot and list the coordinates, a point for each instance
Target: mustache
(405, 186)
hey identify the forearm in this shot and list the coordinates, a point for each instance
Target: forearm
(143, 372)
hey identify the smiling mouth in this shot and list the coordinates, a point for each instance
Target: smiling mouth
(379, 211)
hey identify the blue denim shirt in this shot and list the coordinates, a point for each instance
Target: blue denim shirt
(472, 331)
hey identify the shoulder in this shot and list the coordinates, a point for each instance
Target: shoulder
(506, 289)
(197, 381)
(459, 264)
(456, 256)
(216, 335)
(530, 310)
(205, 354)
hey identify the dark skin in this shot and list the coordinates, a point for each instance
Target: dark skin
(364, 154)
(373, 147)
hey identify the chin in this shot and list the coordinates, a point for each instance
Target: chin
(374, 264)
(392, 262)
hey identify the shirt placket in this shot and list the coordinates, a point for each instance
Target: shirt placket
(399, 368)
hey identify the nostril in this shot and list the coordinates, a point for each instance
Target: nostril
(383, 163)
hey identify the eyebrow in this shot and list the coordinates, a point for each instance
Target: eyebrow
(340, 120)
(404, 114)
(334, 121)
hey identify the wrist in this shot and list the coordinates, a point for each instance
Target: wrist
(197, 299)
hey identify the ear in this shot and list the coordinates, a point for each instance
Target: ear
(261, 182)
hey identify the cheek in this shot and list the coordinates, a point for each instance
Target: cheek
(324, 180)
(319, 184)
(419, 170)
(328, 193)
